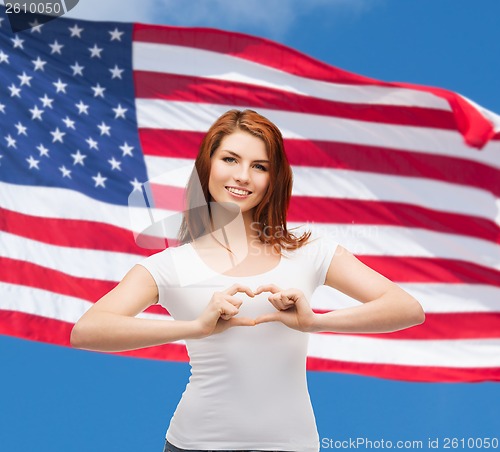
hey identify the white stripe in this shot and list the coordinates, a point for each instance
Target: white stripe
(461, 353)
(358, 185)
(54, 306)
(46, 202)
(405, 242)
(198, 117)
(103, 265)
(194, 62)
(435, 298)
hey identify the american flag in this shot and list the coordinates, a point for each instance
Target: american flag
(89, 111)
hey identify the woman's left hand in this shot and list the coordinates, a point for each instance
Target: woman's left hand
(293, 309)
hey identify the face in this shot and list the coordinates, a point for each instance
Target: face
(239, 171)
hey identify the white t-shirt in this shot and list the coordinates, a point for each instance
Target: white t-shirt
(247, 388)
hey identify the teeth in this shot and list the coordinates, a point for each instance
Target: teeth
(238, 192)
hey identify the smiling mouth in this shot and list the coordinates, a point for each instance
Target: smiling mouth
(238, 191)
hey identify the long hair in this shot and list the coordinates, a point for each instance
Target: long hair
(269, 215)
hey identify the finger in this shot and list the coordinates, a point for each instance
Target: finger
(271, 317)
(273, 288)
(235, 288)
(241, 321)
(234, 301)
(281, 302)
(227, 310)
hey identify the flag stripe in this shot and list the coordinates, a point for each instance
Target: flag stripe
(198, 117)
(175, 87)
(350, 156)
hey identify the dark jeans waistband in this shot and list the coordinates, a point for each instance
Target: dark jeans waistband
(171, 448)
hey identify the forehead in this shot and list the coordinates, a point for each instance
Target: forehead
(245, 145)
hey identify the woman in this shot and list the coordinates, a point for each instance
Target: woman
(238, 288)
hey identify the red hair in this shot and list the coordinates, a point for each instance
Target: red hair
(270, 214)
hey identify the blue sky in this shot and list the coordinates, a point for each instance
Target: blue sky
(56, 399)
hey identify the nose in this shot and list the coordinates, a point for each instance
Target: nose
(242, 174)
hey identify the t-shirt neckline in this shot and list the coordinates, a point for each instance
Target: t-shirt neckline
(212, 271)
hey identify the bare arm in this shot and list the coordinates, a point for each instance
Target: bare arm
(110, 324)
(386, 307)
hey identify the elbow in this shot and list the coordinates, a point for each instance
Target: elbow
(76, 337)
(79, 337)
(416, 313)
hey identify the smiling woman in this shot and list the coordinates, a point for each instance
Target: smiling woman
(238, 288)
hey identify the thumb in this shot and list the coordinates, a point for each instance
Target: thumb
(271, 317)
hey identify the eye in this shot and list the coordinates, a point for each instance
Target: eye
(260, 167)
(229, 159)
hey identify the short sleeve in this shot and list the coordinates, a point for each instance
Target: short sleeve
(160, 268)
(322, 251)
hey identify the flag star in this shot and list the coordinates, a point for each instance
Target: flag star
(75, 31)
(58, 135)
(65, 171)
(77, 69)
(136, 184)
(21, 130)
(126, 149)
(33, 163)
(14, 91)
(11, 143)
(25, 80)
(69, 123)
(116, 72)
(98, 90)
(92, 143)
(115, 164)
(60, 86)
(78, 158)
(18, 42)
(56, 47)
(99, 180)
(120, 111)
(37, 113)
(39, 64)
(2, 108)
(82, 108)
(35, 26)
(46, 101)
(44, 152)
(95, 51)
(116, 34)
(4, 58)
(104, 128)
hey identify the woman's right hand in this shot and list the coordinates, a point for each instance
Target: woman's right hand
(220, 313)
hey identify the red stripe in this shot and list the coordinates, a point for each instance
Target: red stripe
(308, 209)
(76, 233)
(33, 275)
(407, 269)
(326, 154)
(174, 87)
(475, 128)
(470, 325)
(42, 329)
(407, 373)
(24, 273)
(258, 50)
(350, 211)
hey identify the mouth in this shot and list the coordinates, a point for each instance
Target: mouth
(238, 192)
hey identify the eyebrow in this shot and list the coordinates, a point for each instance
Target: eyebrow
(236, 155)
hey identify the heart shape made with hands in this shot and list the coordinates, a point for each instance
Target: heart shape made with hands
(290, 307)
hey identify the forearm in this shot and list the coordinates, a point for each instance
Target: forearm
(109, 332)
(394, 311)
